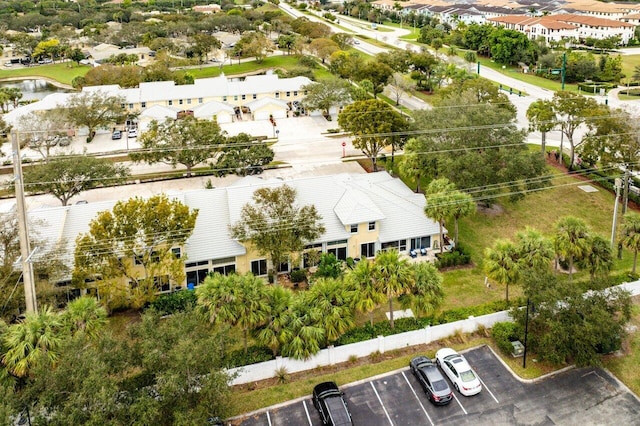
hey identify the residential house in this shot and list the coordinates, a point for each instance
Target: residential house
(362, 214)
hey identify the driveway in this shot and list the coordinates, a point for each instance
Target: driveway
(586, 396)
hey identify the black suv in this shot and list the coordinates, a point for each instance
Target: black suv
(431, 380)
(332, 407)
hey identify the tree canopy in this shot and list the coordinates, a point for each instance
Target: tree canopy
(128, 252)
(66, 177)
(187, 141)
(276, 225)
(95, 109)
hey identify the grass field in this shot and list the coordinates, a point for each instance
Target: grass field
(61, 72)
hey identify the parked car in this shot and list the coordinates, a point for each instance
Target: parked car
(117, 134)
(133, 133)
(458, 370)
(331, 405)
(432, 381)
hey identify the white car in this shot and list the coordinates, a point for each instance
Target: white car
(458, 370)
(133, 133)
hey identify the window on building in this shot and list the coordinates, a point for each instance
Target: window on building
(170, 103)
(176, 252)
(339, 252)
(122, 106)
(255, 96)
(224, 270)
(421, 242)
(354, 228)
(197, 276)
(259, 267)
(162, 283)
(199, 100)
(235, 97)
(400, 245)
(311, 258)
(180, 102)
(244, 97)
(367, 250)
(189, 101)
(288, 94)
(224, 99)
(277, 95)
(295, 93)
(144, 104)
(372, 226)
(130, 106)
(283, 267)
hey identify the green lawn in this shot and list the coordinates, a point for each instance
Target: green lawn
(626, 365)
(283, 62)
(61, 72)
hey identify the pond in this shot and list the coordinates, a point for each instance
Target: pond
(35, 89)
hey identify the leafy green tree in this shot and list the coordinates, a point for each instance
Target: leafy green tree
(630, 233)
(362, 279)
(66, 177)
(501, 264)
(427, 294)
(95, 109)
(378, 74)
(571, 111)
(12, 95)
(42, 130)
(569, 326)
(238, 300)
(187, 142)
(373, 124)
(476, 145)
(424, 68)
(133, 243)
(202, 44)
(346, 64)
(254, 44)
(394, 275)
(326, 94)
(275, 225)
(323, 48)
(461, 204)
(571, 240)
(399, 86)
(511, 46)
(243, 156)
(398, 60)
(542, 119)
(76, 55)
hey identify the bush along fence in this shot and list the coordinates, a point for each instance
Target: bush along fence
(338, 354)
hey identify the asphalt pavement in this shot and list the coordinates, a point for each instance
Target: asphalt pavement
(585, 396)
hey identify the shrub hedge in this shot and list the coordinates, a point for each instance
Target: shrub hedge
(254, 355)
(178, 301)
(458, 256)
(504, 333)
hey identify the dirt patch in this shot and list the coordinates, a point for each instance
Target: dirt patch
(493, 210)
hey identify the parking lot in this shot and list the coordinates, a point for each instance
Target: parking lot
(586, 396)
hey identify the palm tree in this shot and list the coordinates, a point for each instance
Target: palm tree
(394, 276)
(217, 297)
(271, 333)
(368, 293)
(501, 264)
(571, 240)
(302, 336)
(239, 300)
(332, 303)
(251, 305)
(599, 258)
(631, 235)
(85, 315)
(438, 205)
(541, 118)
(534, 250)
(461, 205)
(427, 294)
(36, 339)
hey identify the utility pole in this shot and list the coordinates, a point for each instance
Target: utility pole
(625, 192)
(23, 229)
(618, 183)
(564, 67)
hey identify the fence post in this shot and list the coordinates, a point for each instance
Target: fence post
(330, 354)
(381, 344)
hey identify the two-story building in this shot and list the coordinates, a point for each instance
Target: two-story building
(362, 214)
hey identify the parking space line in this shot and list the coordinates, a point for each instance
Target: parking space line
(459, 403)
(417, 398)
(383, 407)
(306, 410)
(488, 390)
(268, 418)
